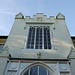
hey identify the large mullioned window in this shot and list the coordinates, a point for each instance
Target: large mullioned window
(38, 70)
(39, 37)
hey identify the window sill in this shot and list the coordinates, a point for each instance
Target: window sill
(37, 50)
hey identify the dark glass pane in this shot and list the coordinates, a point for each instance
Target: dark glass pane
(33, 33)
(49, 73)
(30, 30)
(28, 43)
(29, 36)
(48, 33)
(40, 47)
(29, 39)
(36, 47)
(49, 40)
(26, 73)
(37, 32)
(45, 47)
(34, 70)
(45, 39)
(49, 43)
(40, 33)
(37, 40)
(30, 33)
(48, 30)
(32, 43)
(36, 44)
(42, 71)
(34, 30)
(28, 46)
(44, 33)
(40, 43)
(32, 47)
(45, 43)
(32, 39)
(37, 37)
(1, 46)
(40, 39)
(49, 47)
(45, 29)
(48, 36)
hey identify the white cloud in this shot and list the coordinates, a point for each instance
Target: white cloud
(7, 11)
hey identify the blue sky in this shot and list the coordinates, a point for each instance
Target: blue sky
(9, 8)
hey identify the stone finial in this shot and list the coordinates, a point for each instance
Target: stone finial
(19, 16)
(60, 17)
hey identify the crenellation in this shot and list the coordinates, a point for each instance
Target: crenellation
(27, 17)
(37, 17)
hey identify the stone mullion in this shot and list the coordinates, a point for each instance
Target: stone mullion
(58, 68)
(35, 38)
(38, 70)
(43, 37)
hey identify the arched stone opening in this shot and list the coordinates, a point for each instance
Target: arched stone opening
(38, 68)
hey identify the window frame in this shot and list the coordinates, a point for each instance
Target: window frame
(39, 25)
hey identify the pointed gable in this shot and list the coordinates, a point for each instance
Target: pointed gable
(19, 16)
(60, 17)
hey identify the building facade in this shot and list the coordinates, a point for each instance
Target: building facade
(38, 46)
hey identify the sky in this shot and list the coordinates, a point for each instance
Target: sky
(10, 8)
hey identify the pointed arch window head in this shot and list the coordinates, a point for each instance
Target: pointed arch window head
(39, 37)
(38, 70)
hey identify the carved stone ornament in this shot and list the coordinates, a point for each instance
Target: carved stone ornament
(39, 18)
(14, 65)
(38, 55)
(63, 67)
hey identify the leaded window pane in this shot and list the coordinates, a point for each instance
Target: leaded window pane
(31, 37)
(42, 71)
(1, 46)
(34, 70)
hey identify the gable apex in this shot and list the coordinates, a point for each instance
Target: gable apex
(19, 16)
(60, 16)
